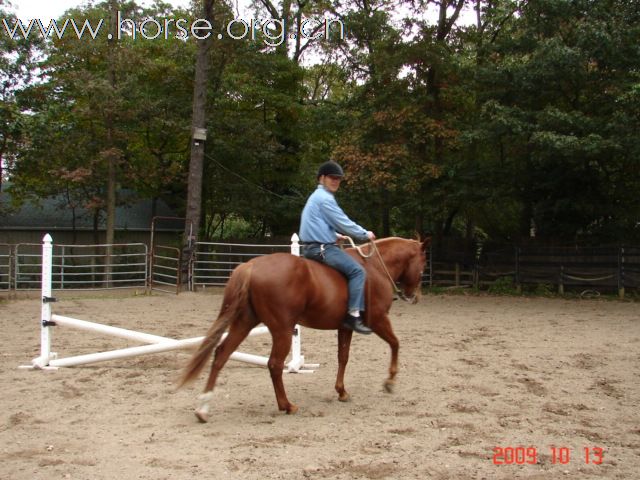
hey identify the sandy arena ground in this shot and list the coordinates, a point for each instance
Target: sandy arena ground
(529, 377)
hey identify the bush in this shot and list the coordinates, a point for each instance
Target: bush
(544, 290)
(503, 286)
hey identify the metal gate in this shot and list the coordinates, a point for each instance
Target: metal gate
(165, 272)
(5, 266)
(168, 265)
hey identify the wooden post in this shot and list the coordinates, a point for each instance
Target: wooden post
(621, 273)
(430, 266)
(561, 281)
(476, 275)
(517, 279)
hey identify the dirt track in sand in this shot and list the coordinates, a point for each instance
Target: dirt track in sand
(476, 373)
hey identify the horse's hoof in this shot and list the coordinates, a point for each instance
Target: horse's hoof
(292, 409)
(202, 416)
(389, 386)
(344, 397)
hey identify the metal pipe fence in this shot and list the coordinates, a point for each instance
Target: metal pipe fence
(82, 267)
(212, 262)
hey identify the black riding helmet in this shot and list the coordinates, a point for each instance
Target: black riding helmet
(330, 168)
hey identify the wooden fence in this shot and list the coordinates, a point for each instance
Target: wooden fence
(606, 269)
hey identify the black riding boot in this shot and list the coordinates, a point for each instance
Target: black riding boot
(355, 324)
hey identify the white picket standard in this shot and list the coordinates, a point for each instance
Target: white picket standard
(154, 343)
(297, 365)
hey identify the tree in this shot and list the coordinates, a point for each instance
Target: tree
(253, 164)
(553, 107)
(17, 64)
(291, 22)
(104, 107)
(400, 130)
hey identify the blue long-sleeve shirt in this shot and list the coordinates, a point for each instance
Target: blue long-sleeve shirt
(322, 218)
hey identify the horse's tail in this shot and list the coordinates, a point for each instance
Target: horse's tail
(235, 304)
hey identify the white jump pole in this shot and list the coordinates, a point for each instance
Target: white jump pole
(157, 344)
(129, 334)
(166, 346)
(107, 330)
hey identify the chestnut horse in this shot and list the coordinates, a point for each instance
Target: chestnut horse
(282, 290)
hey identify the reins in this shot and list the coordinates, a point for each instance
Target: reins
(359, 248)
(373, 250)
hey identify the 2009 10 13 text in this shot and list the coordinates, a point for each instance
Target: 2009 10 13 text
(521, 455)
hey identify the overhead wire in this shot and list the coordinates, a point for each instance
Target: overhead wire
(246, 180)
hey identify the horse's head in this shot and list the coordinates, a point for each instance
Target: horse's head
(411, 276)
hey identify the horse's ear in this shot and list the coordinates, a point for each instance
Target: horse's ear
(426, 242)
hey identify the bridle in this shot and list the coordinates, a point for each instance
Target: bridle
(374, 250)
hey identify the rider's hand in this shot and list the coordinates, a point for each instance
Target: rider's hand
(371, 236)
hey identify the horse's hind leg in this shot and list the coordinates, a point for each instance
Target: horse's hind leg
(279, 352)
(344, 343)
(384, 330)
(238, 331)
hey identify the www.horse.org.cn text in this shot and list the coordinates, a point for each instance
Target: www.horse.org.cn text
(272, 32)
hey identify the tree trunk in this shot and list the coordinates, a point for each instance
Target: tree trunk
(198, 131)
(112, 154)
(2, 150)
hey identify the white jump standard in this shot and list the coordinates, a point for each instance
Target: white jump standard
(154, 343)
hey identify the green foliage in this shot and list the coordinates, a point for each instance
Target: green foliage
(549, 104)
(544, 290)
(100, 100)
(503, 286)
(17, 68)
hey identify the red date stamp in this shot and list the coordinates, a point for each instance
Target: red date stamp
(521, 455)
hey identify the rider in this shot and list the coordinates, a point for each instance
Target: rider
(322, 224)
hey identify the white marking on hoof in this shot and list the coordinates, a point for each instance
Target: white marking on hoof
(202, 412)
(202, 416)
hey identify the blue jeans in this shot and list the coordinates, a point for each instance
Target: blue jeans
(337, 258)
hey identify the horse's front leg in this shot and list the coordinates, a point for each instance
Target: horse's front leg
(344, 343)
(384, 330)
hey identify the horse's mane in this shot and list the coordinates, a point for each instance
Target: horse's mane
(384, 242)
